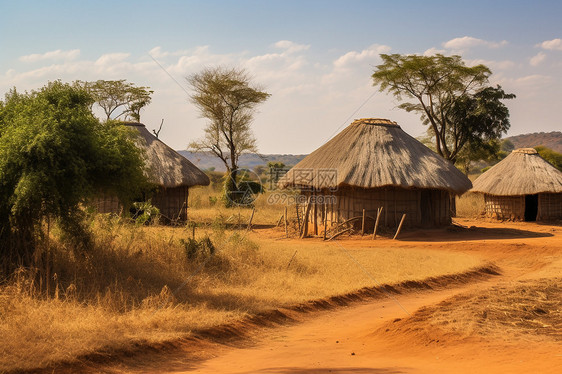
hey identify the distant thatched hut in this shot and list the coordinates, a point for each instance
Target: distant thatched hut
(373, 163)
(523, 186)
(172, 173)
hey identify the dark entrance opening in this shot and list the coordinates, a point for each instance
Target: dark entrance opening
(425, 207)
(531, 207)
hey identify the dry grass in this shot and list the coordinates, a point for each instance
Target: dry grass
(470, 205)
(205, 207)
(139, 285)
(528, 309)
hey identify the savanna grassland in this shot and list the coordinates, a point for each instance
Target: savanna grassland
(144, 284)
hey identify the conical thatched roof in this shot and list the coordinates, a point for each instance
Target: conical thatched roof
(372, 153)
(523, 172)
(167, 167)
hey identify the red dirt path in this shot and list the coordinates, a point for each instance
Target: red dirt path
(378, 336)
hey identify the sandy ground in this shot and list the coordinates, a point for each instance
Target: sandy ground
(508, 323)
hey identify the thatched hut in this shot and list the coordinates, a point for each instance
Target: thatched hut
(371, 164)
(169, 171)
(523, 186)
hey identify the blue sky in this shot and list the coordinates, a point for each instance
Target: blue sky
(314, 57)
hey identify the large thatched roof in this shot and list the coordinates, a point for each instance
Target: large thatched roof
(372, 153)
(167, 167)
(523, 172)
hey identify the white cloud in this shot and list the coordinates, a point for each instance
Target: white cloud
(370, 54)
(290, 46)
(527, 86)
(537, 59)
(433, 51)
(321, 94)
(158, 53)
(57, 55)
(467, 42)
(494, 65)
(553, 45)
(112, 58)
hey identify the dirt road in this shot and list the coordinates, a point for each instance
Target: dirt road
(363, 338)
(506, 323)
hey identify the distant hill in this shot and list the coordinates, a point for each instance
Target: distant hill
(204, 160)
(552, 140)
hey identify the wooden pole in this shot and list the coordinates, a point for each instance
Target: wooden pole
(305, 218)
(251, 217)
(325, 220)
(286, 230)
(47, 259)
(315, 217)
(379, 211)
(291, 260)
(298, 215)
(399, 226)
(279, 220)
(363, 223)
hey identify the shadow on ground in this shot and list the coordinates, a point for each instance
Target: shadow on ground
(459, 233)
(339, 370)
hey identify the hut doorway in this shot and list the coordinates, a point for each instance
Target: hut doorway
(425, 208)
(531, 207)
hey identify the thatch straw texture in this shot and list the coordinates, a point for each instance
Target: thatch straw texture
(373, 153)
(167, 167)
(523, 172)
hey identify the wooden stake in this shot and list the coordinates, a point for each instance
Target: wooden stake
(286, 231)
(379, 211)
(305, 218)
(399, 226)
(251, 217)
(363, 223)
(47, 259)
(291, 260)
(340, 233)
(315, 217)
(325, 220)
(279, 220)
(193, 231)
(297, 208)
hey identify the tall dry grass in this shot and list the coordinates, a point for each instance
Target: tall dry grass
(206, 207)
(470, 205)
(141, 284)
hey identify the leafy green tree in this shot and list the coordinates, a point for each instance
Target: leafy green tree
(54, 157)
(228, 99)
(551, 156)
(451, 98)
(489, 152)
(119, 99)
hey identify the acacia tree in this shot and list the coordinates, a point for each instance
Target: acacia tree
(119, 98)
(228, 99)
(54, 156)
(451, 98)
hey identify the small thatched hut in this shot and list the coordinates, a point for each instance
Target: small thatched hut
(523, 186)
(172, 173)
(373, 163)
